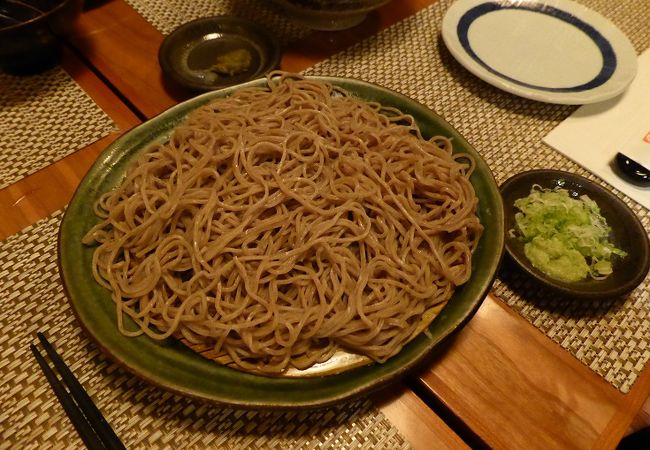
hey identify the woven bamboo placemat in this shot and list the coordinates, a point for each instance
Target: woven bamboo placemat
(44, 118)
(166, 16)
(32, 299)
(610, 337)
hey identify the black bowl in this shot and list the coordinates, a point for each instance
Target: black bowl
(30, 32)
(329, 15)
(627, 234)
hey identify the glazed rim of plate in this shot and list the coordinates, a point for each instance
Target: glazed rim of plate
(609, 64)
(172, 366)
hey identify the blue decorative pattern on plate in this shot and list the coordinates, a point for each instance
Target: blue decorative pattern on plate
(564, 53)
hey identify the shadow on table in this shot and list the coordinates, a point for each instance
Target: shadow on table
(546, 299)
(637, 440)
(18, 90)
(92, 4)
(414, 382)
(145, 416)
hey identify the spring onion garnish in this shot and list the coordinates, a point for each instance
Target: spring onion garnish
(565, 237)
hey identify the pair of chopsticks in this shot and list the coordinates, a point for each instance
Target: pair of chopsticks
(93, 429)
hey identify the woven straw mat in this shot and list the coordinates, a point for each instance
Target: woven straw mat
(611, 337)
(44, 118)
(166, 16)
(32, 299)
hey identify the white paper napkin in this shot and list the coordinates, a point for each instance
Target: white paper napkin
(594, 133)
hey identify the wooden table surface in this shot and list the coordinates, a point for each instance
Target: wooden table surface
(500, 382)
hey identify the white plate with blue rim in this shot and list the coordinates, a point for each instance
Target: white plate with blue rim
(555, 51)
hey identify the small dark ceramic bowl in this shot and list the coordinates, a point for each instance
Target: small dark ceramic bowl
(187, 54)
(627, 234)
(30, 32)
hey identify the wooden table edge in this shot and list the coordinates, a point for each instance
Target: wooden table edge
(415, 420)
(627, 406)
(631, 402)
(49, 189)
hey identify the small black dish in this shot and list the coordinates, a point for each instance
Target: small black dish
(189, 52)
(627, 234)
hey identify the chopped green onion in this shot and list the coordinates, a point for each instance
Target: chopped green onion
(566, 238)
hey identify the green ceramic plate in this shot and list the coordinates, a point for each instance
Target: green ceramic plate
(169, 364)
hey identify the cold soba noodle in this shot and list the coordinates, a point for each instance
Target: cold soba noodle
(283, 223)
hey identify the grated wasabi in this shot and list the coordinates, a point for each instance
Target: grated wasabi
(565, 237)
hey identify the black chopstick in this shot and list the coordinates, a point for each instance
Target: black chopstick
(93, 429)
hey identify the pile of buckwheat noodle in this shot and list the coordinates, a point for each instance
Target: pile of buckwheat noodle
(285, 222)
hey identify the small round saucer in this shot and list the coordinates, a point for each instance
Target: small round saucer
(627, 233)
(191, 52)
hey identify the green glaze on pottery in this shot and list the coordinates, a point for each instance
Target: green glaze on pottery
(173, 366)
